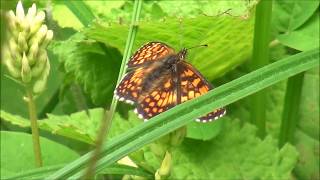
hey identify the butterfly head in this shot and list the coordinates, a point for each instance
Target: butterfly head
(182, 54)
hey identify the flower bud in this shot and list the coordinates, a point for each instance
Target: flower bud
(40, 65)
(31, 13)
(27, 58)
(22, 43)
(47, 39)
(33, 51)
(37, 22)
(164, 171)
(41, 83)
(20, 12)
(25, 70)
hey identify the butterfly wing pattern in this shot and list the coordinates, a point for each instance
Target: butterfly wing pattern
(192, 85)
(148, 53)
(155, 88)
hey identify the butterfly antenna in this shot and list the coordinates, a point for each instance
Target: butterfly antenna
(202, 45)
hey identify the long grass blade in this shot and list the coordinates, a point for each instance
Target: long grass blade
(291, 109)
(260, 58)
(81, 10)
(184, 113)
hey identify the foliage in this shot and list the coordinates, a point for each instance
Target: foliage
(15, 147)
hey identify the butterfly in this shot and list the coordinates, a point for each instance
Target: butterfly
(159, 79)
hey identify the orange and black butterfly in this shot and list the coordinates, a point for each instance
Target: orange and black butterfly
(158, 79)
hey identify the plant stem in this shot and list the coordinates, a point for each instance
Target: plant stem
(34, 128)
(107, 118)
(291, 109)
(260, 58)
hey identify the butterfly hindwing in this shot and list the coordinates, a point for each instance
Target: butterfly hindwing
(193, 84)
(129, 88)
(150, 52)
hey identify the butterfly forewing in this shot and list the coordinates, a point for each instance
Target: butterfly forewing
(192, 85)
(150, 52)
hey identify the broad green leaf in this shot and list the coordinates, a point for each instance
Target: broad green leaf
(225, 37)
(17, 153)
(289, 15)
(205, 131)
(180, 115)
(81, 126)
(81, 10)
(64, 16)
(304, 38)
(93, 65)
(235, 154)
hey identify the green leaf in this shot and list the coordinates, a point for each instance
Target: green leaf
(81, 10)
(235, 154)
(17, 155)
(290, 15)
(225, 37)
(305, 37)
(81, 126)
(93, 65)
(64, 16)
(180, 115)
(205, 131)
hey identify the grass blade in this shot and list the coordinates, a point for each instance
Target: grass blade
(260, 58)
(291, 109)
(186, 112)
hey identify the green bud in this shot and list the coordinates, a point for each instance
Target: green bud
(12, 22)
(25, 70)
(22, 43)
(164, 171)
(48, 38)
(40, 64)
(33, 51)
(41, 83)
(40, 35)
(13, 71)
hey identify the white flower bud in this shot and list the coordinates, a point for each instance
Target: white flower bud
(12, 21)
(37, 22)
(20, 11)
(31, 13)
(25, 70)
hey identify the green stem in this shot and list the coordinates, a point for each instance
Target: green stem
(107, 118)
(291, 109)
(261, 58)
(34, 128)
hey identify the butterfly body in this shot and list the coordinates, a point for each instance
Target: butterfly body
(159, 79)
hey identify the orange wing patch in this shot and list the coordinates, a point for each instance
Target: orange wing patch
(157, 101)
(193, 85)
(129, 88)
(149, 52)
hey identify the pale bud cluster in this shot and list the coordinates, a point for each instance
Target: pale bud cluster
(25, 52)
